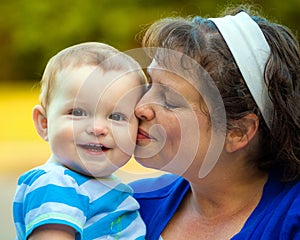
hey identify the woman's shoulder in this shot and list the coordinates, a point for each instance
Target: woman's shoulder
(286, 191)
(278, 213)
(291, 197)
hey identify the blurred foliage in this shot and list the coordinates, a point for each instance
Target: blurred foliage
(31, 31)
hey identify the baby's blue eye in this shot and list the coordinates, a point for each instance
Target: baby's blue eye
(117, 117)
(78, 112)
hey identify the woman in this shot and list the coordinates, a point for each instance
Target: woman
(223, 113)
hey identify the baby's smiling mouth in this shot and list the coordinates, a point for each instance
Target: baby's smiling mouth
(94, 147)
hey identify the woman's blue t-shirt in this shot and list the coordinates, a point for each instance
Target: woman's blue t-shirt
(277, 216)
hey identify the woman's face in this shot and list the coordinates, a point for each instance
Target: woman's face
(173, 130)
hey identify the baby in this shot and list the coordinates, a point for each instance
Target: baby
(88, 95)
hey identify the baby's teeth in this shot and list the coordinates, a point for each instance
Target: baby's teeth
(95, 145)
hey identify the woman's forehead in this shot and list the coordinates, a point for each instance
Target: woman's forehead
(167, 74)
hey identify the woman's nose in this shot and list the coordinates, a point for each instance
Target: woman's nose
(144, 112)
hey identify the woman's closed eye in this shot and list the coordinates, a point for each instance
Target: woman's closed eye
(169, 104)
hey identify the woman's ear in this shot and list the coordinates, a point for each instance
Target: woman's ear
(40, 121)
(242, 133)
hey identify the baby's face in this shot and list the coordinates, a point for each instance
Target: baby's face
(91, 123)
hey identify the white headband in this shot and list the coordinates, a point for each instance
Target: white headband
(250, 51)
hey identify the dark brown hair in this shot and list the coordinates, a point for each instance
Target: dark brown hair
(199, 39)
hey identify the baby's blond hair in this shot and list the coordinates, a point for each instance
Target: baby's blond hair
(90, 53)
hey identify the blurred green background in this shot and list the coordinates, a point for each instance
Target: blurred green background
(32, 31)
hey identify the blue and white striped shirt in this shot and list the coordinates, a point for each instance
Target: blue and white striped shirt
(96, 208)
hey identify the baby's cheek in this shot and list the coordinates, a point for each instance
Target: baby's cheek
(61, 135)
(125, 139)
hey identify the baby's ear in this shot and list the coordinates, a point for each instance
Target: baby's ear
(242, 133)
(40, 121)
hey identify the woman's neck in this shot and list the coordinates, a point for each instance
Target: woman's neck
(227, 196)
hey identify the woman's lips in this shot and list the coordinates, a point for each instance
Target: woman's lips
(143, 135)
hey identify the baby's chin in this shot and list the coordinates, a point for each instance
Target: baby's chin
(92, 173)
(96, 173)
(94, 169)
